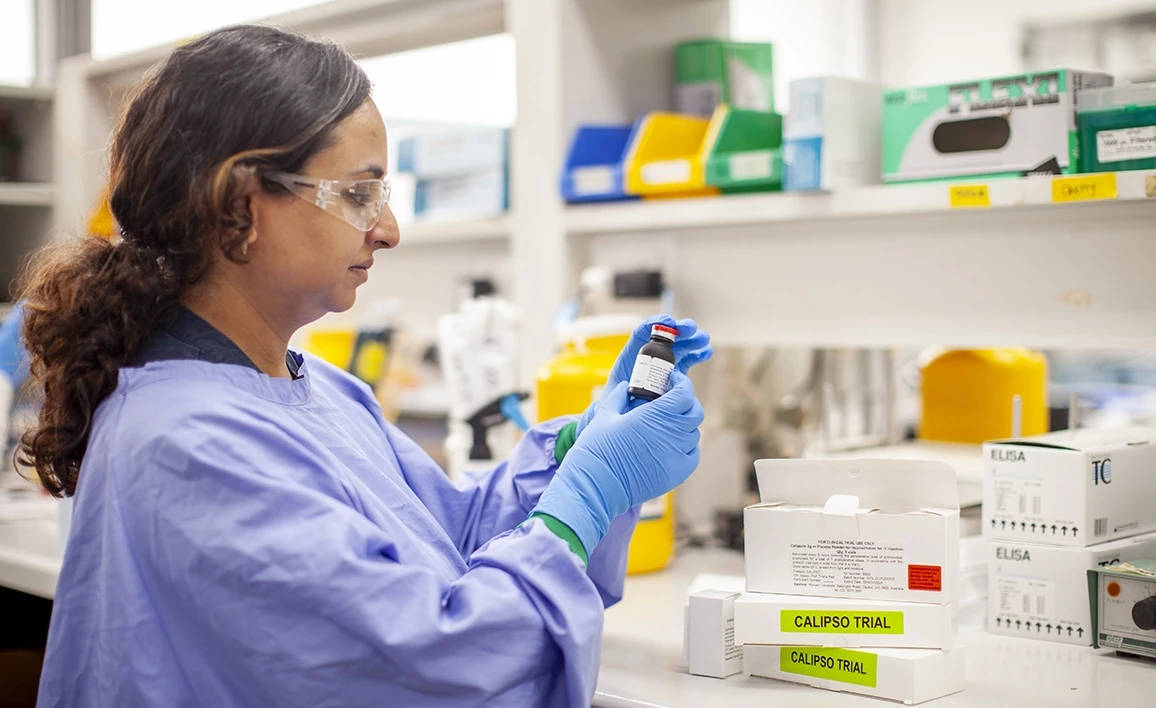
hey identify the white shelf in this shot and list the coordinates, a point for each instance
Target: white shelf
(893, 201)
(25, 93)
(365, 27)
(33, 194)
(455, 232)
(897, 266)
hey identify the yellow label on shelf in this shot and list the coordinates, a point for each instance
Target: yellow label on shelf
(840, 622)
(970, 196)
(859, 668)
(1084, 188)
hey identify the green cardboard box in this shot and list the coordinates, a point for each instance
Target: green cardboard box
(1123, 600)
(1003, 127)
(713, 71)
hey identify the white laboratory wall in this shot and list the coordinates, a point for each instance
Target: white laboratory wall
(465, 82)
(125, 26)
(17, 42)
(813, 38)
(937, 41)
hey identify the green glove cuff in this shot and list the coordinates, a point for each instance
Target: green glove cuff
(565, 440)
(564, 532)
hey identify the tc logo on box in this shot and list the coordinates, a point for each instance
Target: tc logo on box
(1102, 471)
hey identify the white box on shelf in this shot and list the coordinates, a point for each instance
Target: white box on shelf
(1041, 592)
(908, 675)
(710, 635)
(1071, 488)
(863, 529)
(453, 151)
(762, 618)
(832, 136)
(470, 196)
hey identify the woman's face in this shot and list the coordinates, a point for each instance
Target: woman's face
(311, 260)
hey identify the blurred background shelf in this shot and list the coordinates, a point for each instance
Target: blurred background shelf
(421, 233)
(32, 194)
(882, 201)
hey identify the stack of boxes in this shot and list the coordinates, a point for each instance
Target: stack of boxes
(852, 578)
(460, 172)
(831, 141)
(1056, 506)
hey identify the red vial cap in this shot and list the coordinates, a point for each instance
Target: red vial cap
(664, 330)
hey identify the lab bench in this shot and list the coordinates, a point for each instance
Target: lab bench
(642, 664)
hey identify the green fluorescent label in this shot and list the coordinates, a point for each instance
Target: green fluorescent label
(840, 622)
(842, 665)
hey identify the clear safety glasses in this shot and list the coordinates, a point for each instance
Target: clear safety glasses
(359, 202)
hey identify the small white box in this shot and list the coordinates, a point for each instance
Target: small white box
(863, 529)
(908, 675)
(451, 151)
(1071, 488)
(710, 635)
(834, 622)
(1041, 592)
(832, 136)
(470, 196)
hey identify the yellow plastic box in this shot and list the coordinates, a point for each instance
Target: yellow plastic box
(667, 157)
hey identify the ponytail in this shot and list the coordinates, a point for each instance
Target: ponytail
(89, 305)
(196, 134)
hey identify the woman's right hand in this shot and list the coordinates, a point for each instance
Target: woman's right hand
(624, 458)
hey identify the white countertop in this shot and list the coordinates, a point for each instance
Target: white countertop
(30, 548)
(642, 664)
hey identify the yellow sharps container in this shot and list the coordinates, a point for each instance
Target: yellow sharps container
(967, 394)
(570, 382)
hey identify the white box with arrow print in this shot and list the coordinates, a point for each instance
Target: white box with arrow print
(1071, 488)
(1041, 592)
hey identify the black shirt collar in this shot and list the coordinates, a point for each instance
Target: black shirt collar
(189, 336)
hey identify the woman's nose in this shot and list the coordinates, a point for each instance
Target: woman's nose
(385, 234)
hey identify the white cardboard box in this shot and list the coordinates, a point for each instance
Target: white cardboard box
(834, 622)
(448, 151)
(476, 195)
(1041, 592)
(831, 139)
(908, 675)
(863, 529)
(710, 635)
(1071, 488)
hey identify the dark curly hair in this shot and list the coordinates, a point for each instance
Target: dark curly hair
(206, 121)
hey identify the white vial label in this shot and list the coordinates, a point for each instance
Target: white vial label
(1126, 144)
(651, 374)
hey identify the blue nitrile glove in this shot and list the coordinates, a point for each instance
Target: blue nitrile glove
(690, 348)
(624, 458)
(13, 356)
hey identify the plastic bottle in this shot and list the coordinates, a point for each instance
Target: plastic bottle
(651, 375)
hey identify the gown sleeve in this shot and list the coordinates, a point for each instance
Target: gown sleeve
(288, 596)
(485, 505)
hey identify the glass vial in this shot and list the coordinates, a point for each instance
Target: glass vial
(651, 376)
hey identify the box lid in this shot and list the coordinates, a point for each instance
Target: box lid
(912, 484)
(1085, 439)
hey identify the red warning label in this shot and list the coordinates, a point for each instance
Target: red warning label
(925, 577)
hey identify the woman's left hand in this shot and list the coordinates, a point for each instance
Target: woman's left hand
(691, 347)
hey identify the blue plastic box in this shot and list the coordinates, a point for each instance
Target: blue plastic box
(594, 165)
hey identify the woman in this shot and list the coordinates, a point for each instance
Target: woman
(247, 530)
